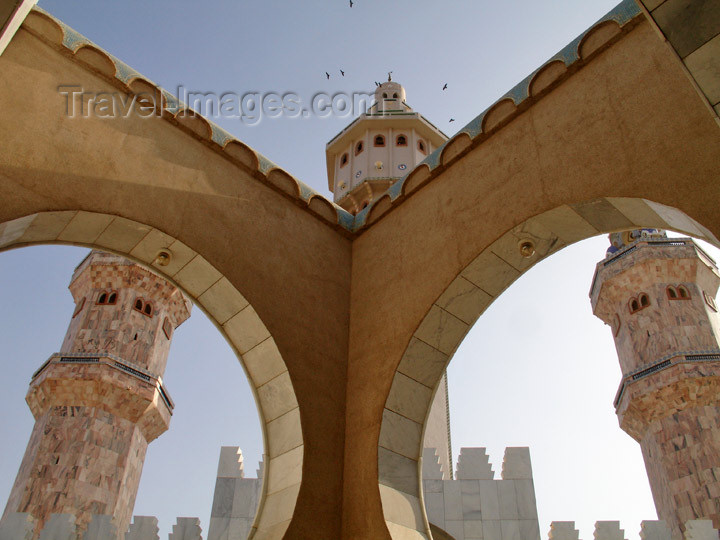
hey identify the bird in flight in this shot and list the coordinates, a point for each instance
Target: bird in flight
(342, 73)
(445, 87)
(377, 83)
(351, 3)
(452, 120)
(327, 74)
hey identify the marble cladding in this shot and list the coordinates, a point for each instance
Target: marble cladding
(235, 499)
(476, 506)
(669, 354)
(99, 402)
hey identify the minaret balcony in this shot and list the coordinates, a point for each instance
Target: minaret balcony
(106, 382)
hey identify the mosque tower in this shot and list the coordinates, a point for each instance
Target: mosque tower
(381, 146)
(100, 401)
(378, 148)
(657, 294)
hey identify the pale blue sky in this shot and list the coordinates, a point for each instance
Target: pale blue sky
(538, 369)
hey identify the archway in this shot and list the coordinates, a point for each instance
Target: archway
(228, 310)
(451, 316)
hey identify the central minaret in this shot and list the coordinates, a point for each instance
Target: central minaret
(378, 148)
(100, 401)
(657, 294)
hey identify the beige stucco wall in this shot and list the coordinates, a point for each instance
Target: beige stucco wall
(341, 310)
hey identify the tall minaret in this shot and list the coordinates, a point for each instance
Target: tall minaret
(657, 294)
(100, 401)
(379, 147)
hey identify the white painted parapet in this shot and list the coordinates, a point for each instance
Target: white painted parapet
(649, 530)
(100, 528)
(186, 528)
(143, 528)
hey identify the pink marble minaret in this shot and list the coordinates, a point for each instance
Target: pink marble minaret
(100, 401)
(657, 294)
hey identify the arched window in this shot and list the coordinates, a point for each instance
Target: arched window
(644, 300)
(379, 140)
(683, 292)
(148, 310)
(421, 147)
(395, 96)
(167, 328)
(78, 307)
(359, 147)
(710, 301)
(385, 95)
(112, 298)
(671, 292)
(401, 140)
(344, 160)
(102, 299)
(139, 304)
(634, 306)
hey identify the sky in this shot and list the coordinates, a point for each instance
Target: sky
(536, 370)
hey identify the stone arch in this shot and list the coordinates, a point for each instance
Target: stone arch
(229, 311)
(450, 317)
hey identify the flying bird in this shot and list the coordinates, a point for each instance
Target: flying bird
(445, 87)
(351, 3)
(342, 73)
(327, 75)
(452, 120)
(377, 83)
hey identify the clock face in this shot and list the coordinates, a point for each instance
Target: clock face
(402, 166)
(357, 174)
(343, 185)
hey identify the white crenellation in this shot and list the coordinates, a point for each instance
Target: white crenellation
(476, 506)
(186, 528)
(608, 530)
(143, 528)
(654, 530)
(474, 464)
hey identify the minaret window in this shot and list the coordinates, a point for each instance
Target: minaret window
(148, 309)
(638, 303)
(79, 307)
(379, 140)
(143, 307)
(107, 298)
(421, 147)
(359, 147)
(401, 140)
(710, 301)
(139, 304)
(679, 293)
(344, 160)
